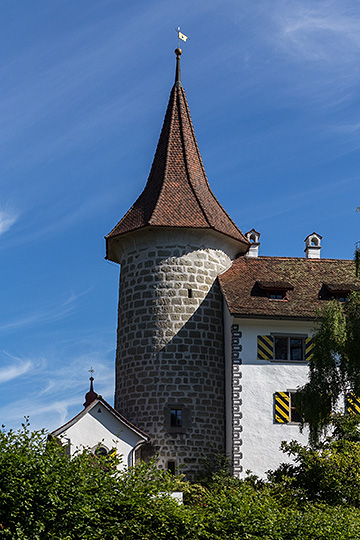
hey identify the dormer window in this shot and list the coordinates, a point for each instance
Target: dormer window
(337, 291)
(277, 295)
(274, 290)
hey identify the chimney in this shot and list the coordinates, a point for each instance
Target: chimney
(253, 237)
(313, 246)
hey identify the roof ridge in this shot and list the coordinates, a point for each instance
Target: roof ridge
(166, 168)
(186, 153)
(296, 257)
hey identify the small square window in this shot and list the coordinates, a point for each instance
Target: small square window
(289, 348)
(176, 417)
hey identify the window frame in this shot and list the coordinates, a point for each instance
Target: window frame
(277, 295)
(176, 417)
(289, 337)
(186, 417)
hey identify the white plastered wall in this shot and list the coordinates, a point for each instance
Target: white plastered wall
(256, 381)
(100, 426)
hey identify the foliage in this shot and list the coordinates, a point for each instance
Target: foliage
(214, 464)
(44, 495)
(329, 472)
(335, 366)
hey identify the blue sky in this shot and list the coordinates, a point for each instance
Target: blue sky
(273, 89)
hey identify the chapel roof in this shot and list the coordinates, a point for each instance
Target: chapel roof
(309, 282)
(100, 400)
(177, 193)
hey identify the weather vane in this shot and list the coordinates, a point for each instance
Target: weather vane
(180, 36)
(91, 370)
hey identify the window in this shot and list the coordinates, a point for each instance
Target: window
(285, 348)
(294, 415)
(171, 467)
(285, 409)
(277, 295)
(100, 450)
(176, 417)
(289, 348)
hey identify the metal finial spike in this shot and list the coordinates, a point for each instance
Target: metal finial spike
(178, 53)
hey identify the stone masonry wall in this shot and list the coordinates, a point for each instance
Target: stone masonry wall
(170, 350)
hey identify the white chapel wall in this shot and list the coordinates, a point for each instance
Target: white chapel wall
(99, 426)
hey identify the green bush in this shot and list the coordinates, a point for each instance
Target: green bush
(44, 495)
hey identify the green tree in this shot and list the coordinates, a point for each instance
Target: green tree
(328, 472)
(45, 495)
(334, 369)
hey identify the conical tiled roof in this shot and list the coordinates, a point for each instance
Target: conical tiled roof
(177, 193)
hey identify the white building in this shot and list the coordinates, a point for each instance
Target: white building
(100, 429)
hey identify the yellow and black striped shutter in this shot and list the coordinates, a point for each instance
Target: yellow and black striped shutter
(309, 348)
(282, 407)
(265, 348)
(352, 404)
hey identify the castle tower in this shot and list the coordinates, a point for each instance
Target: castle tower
(172, 244)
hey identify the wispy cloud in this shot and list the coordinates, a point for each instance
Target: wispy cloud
(45, 314)
(327, 31)
(7, 219)
(57, 393)
(15, 370)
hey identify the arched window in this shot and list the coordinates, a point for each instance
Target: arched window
(100, 450)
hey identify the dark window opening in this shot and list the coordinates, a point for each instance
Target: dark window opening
(171, 467)
(175, 417)
(289, 348)
(277, 295)
(190, 293)
(101, 451)
(294, 415)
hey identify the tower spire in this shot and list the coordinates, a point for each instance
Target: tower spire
(178, 53)
(177, 193)
(90, 396)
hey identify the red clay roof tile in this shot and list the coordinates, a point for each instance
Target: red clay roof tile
(177, 193)
(307, 276)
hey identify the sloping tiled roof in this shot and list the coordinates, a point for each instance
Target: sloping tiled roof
(308, 277)
(177, 193)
